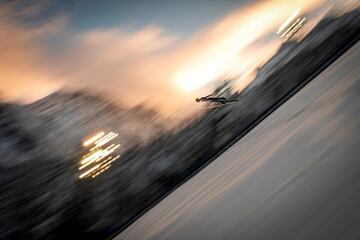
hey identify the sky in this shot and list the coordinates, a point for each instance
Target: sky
(162, 52)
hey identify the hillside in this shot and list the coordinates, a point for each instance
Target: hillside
(74, 115)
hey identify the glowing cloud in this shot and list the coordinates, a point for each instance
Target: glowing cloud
(221, 44)
(144, 65)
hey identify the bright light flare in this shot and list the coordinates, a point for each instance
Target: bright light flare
(92, 139)
(295, 29)
(290, 28)
(107, 138)
(99, 158)
(289, 20)
(93, 157)
(89, 171)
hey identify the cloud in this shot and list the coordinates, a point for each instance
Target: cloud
(134, 66)
(218, 48)
(120, 62)
(29, 9)
(24, 74)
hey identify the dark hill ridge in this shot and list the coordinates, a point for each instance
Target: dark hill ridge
(24, 136)
(76, 114)
(279, 58)
(40, 195)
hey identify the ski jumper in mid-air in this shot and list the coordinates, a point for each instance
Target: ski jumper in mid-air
(221, 100)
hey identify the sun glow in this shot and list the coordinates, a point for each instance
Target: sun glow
(191, 79)
(222, 48)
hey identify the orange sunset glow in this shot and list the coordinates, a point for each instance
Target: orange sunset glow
(146, 64)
